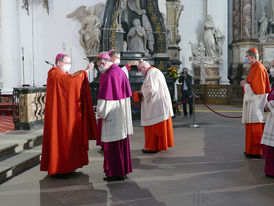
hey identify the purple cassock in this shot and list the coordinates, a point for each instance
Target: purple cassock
(115, 85)
(271, 95)
(117, 157)
(268, 151)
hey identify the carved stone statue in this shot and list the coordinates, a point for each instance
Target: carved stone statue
(149, 32)
(136, 38)
(272, 11)
(207, 53)
(219, 37)
(122, 6)
(90, 33)
(178, 11)
(263, 28)
(208, 36)
(134, 5)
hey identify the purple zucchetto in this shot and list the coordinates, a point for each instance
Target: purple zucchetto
(58, 56)
(103, 56)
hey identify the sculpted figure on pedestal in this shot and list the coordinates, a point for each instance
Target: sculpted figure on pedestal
(149, 32)
(122, 7)
(263, 28)
(90, 33)
(137, 38)
(208, 36)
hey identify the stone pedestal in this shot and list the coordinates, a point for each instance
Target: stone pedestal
(30, 103)
(211, 75)
(119, 40)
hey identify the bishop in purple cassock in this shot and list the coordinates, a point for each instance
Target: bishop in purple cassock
(114, 108)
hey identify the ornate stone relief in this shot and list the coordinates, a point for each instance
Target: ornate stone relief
(174, 11)
(31, 107)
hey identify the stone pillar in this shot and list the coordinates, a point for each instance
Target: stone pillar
(173, 13)
(249, 20)
(236, 20)
(245, 36)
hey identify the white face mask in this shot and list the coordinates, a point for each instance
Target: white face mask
(66, 67)
(101, 69)
(117, 61)
(271, 71)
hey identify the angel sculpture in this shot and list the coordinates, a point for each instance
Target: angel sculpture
(90, 33)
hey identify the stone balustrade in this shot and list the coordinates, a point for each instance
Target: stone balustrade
(216, 94)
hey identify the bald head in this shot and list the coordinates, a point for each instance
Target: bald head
(143, 66)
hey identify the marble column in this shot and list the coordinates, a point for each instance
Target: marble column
(236, 20)
(245, 20)
(245, 36)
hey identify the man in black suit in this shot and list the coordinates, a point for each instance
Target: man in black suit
(186, 90)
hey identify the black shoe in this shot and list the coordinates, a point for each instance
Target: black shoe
(149, 151)
(253, 156)
(270, 176)
(64, 175)
(110, 179)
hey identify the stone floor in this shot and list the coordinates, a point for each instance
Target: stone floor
(206, 167)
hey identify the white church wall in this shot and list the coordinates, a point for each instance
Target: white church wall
(10, 55)
(25, 46)
(42, 36)
(220, 17)
(190, 28)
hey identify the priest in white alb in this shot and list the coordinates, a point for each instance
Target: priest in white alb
(156, 110)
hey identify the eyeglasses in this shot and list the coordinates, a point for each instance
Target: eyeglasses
(66, 62)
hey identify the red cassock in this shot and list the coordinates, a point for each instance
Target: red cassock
(259, 83)
(69, 122)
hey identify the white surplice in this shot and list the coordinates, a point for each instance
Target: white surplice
(253, 106)
(156, 105)
(268, 134)
(116, 119)
(124, 68)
